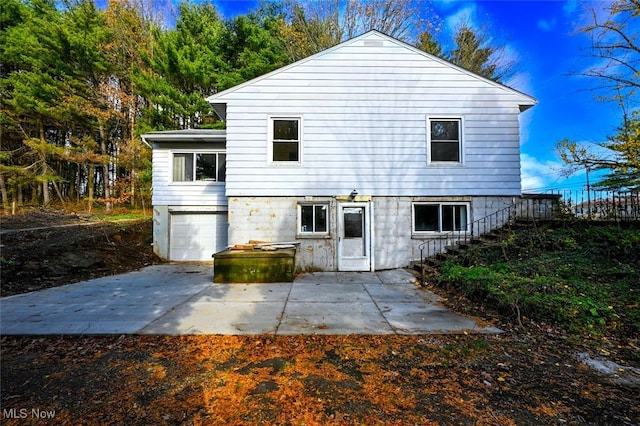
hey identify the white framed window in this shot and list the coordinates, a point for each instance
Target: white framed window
(285, 140)
(313, 219)
(203, 166)
(440, 217)
(444, 140)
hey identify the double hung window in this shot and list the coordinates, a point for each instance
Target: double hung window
(285, 140)
(445, 142)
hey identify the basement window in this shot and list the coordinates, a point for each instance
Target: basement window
(313, 219)
(431, 217)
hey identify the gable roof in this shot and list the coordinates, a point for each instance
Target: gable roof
(219, 106)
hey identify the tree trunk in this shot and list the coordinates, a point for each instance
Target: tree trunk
(132, 125)
(73, 178)
(108, 204)
(91, 178)
(3, 190)
(46, 198)
(133, 188)
(57, 188)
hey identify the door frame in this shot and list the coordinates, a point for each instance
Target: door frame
(364, 263)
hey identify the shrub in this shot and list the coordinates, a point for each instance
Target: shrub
(585, 278)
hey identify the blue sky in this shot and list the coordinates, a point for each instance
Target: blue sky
(541, 38)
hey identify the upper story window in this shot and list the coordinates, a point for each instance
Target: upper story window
(433, 217)
(199, 166)
(285, 139)
(445, 141)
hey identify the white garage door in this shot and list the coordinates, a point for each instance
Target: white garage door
(196, 236)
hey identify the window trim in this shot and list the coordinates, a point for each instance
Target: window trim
(270, 141)
(461, 144)
(440, 204)
(312, 234)
(172, 154)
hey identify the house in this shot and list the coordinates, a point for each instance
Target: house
(189, 202)
(359, 153)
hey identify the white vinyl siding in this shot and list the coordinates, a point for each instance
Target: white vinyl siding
(365, 111)
(166, 192)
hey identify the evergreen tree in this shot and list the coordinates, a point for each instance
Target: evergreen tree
(130, 23)
(34, 83)
(625, 144)
(93, 99)
(470, 54)
(253, 46)
(184, 67)
(430, 45)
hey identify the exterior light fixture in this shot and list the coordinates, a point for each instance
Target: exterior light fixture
(353, 194)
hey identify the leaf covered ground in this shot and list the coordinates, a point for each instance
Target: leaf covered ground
(533, 374)
(309, 380)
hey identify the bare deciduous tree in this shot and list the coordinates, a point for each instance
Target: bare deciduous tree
(318, 25)
(614, 32)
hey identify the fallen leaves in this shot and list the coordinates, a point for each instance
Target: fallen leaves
(308, 380)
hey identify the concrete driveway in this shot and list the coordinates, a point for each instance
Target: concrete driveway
(177, 299)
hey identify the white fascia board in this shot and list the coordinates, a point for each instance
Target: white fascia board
(202, 135)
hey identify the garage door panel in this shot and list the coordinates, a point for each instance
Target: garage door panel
(196, 236)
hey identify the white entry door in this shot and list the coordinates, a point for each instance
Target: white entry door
(354, 237)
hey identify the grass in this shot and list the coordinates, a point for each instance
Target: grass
(579, 276)
(121, 216)
(121, 213)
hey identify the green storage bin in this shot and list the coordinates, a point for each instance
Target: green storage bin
(254, 266)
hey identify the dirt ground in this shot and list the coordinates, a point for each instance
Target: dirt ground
(46, 248)
(529, 375)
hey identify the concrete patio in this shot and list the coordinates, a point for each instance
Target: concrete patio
(180, 299)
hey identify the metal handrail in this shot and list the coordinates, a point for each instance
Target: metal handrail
(464, 235)
(589, 204)
(496, 220)
(601, 205)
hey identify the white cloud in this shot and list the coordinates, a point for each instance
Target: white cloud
(466, 15)
(547, 25)
(570, 6)
(536, 174)
(447, 4)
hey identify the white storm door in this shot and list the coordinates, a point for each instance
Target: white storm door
(354, 237)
